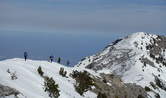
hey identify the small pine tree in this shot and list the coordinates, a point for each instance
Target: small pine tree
(164, 63)
(13, 76)
(147, 47)
(74, 74)
(152, 56)
(40, 71)
(147, 89)
(145, 64)
(140, 96)
(51, 87)
(157, 61)
(83, 81)
(157, 95)
(62, 72)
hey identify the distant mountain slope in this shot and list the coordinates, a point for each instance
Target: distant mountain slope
(139, 58)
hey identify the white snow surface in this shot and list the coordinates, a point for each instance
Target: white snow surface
(31, 84)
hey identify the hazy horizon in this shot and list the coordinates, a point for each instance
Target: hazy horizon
(73, 29)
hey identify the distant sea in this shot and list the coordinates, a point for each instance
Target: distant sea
(39, 46)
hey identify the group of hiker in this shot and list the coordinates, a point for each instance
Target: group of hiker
(51, 58)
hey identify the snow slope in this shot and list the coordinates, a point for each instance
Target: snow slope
(131, 58)
(30, 83)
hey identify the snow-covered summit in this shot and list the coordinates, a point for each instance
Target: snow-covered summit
(139, 58)
(130, 48)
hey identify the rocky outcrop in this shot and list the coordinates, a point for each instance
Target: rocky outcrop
(8, 91)
(113, 87)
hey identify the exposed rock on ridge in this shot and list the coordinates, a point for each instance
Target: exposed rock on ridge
(7, 91)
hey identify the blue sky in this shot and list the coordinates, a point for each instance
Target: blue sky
(93, 23)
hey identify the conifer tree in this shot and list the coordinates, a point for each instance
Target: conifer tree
(51, 87)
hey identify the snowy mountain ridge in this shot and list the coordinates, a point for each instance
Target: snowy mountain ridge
(130, 67)
(139, 58)
(20, 79)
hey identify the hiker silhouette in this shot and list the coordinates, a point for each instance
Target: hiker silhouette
(25, 55)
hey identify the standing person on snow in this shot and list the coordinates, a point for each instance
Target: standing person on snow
(51, 58)
(25, 55)
(59, 60)
(68, 63)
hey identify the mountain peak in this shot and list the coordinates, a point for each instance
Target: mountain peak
(131, 47)
(136, 57)
(139, 33)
